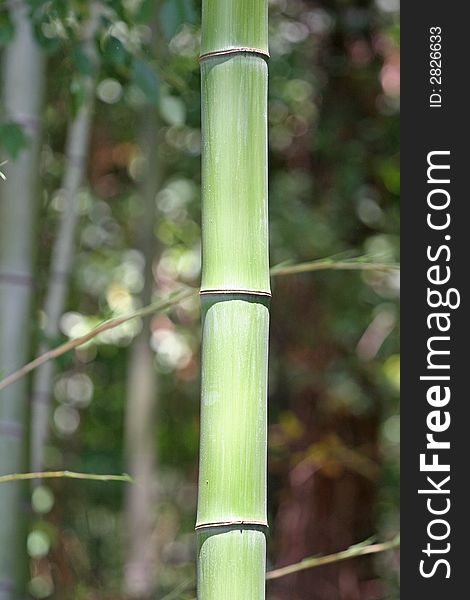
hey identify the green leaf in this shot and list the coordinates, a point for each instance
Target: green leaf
(82, 62)
(119, 7)
(145, 12)
(7, 29)
(50, 45)
(145, 78)
(78, 93)
(12, 139)
(114, 52)
(174, 13)
(35, 4)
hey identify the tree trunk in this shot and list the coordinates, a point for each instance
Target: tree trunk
(235, 292)
(76, 153)
(22, 84)
(140, 568)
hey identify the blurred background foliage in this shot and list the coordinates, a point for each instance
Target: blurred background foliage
(334, 366)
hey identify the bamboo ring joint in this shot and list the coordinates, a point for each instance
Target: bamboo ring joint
(236, 293)
(235, 524)
(235, 50)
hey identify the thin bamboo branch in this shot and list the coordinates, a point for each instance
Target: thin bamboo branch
(175, 593)
(317, 561)
(78, 137)
(63, 474)
(159, 306)
(327, 264)
(276, 271)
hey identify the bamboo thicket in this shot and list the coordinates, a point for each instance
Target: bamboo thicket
(235, 292)
(22, 91)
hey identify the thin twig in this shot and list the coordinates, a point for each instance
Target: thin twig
(316, 561)
(279, 270)
(323, 265)
(180, 588)
(79, 341)
(60, 474)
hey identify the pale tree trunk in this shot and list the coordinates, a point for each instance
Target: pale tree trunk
(76, 152)
(141, 560)
(22, 92)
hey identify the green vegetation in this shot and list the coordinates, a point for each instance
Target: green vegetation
(104, 206)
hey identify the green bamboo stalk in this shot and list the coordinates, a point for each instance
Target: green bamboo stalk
(235, 292)
(22, 92)
(78, 136)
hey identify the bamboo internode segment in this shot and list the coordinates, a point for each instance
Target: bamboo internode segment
(232, 476)
(233, 24)
(232, 565)
(231, 518)
(234, 174)
(22, 84)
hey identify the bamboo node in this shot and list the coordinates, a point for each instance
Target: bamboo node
(59, 275)
(11, 429)
(7, 585)
(234, 524)
(235, 50)
(21, 279)
(214, 292)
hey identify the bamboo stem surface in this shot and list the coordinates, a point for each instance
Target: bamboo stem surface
(22, 93)
(235, 292)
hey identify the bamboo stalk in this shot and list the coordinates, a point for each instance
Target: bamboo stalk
(142, 394)
(77, 143)
(22, 92)
(235, 291)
